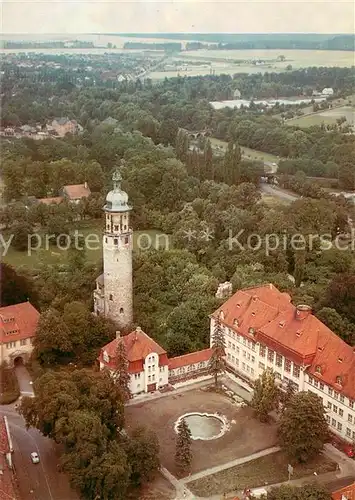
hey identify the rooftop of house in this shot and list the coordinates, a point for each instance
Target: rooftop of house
(18, 322)
(190, 359)
(77, 191)
(346, 493)
(266, 315)
(138, 346)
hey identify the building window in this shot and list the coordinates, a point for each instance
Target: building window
(252, 371)
(351, 403)
(115, 241)
(316, 384)
(336, 395)
(329, 405)
(243, 366)
(342, 399)
(296, 371)
(334, 422)
(23, 342)
(105, 240)
(262, 351)
(10, 345)
(161, 368)
(270, 355)
(121, 310)
(310, 379)
(350, 418)
(287, 366)
(111, 296)
(341, 412)
(149, 378)
(321, 386)
(328, 418)
(330, 391)
(229, 344)
(261, 366)
(348, 432)
(126, 240)
(116, 227)
(253, 359)
(278, 375)
(278, 360)
(228, 356)
(335, 409)
(354, 435)
(244, 354)
(153, 378)
(339, 426)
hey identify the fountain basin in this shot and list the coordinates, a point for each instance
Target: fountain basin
(204, 426)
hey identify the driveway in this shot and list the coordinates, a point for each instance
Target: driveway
(24, 381)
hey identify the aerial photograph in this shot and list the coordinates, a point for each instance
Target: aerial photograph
(177, 271)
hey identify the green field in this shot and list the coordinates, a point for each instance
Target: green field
(51, 254)
(251, 154)
(328, 117)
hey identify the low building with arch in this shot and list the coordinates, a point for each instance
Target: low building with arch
(18, 325)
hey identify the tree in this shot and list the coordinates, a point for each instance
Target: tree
(303, 429)
(341, 295)
(216, 364)
(15, 287)
(122, 376)
(183, 453)
(265, 396)
(285, 396)
(21, 232)
(143, 455)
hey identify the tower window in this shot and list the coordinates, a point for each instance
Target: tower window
(111, 296)
(115, 241)
(108, 227)
(125, 227)
(126, 240)
(121, 310)
(105, 240)
(116, 227)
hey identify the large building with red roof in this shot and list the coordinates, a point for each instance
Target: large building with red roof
(18, 325)
(346, 493)
(148, 363)
(263, 329)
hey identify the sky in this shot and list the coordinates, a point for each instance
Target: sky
(192, 16)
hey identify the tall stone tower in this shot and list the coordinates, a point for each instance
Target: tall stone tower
(113, 296)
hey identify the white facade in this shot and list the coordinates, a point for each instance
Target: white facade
(113, 296)
(248, 359)
(12, 349)
(152, 377)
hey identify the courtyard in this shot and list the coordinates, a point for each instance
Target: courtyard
(244, 436)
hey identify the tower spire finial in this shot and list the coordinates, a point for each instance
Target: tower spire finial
(116, 179)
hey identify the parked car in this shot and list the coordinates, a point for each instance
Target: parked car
(35, 457)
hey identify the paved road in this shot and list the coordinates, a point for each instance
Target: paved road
(278, 193)
(24, 380)
(36, 481)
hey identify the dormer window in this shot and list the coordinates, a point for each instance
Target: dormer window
(221, 315)
(106, 357)
(282, 323)
(340, 360)
(339, 380)
(320, 349)
(236, 322)
(238, 305)
(299, 333)
(251, 331)
(253, 313)
(318, 369)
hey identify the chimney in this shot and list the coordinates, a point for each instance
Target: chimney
(118, 334)
(85, 185)
(138, 329)
(302, 311)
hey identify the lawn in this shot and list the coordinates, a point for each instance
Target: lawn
(271, 469)
(273, 201)
(245, 436)
(159, 489)
(251, 154)
(328, 117)
(51, 254)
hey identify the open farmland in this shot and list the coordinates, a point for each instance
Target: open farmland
(328, 117)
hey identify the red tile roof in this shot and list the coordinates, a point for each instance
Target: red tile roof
(293, 332)
(18, 322)
(190, 359)
(50, 201)
(348, 493)
(138, 346)
(77, 191)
